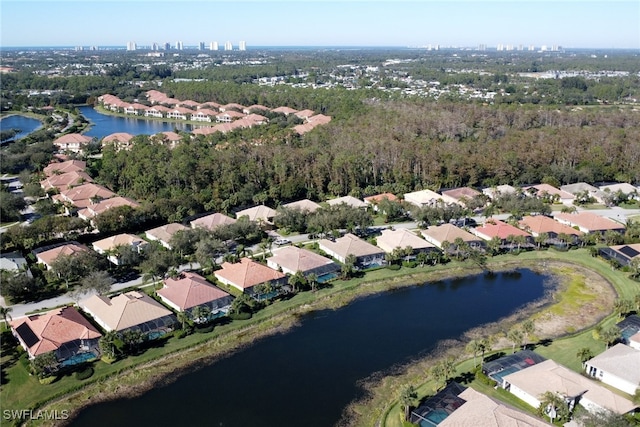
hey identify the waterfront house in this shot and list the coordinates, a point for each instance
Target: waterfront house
(164, 233)
(73, 142)
(505, 232)
(158, 111)
(46, 256)
(436, 235)
(531, 383)
(228, 116)
(292, 259)
(540, 224)
(63, 331)
(366, 254)
(624, 254)
(190, 290)
(402, 238)
(179, 113)
(618, 366)
(119, 140)
(110, 244)
(204, 115)
(135, 109)
(634, 341)
(588, 222)
(212, 221)
(246, 274)
(133, 310)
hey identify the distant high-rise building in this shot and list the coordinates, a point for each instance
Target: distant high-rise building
(228, 46)
(179, 45)
(201, 46)
(532, 48)
(213, 46)
(79, 48)
(131, 46)
(155, 46)
(243, 45)
(500, 48)
(167, 46)
(482, 47)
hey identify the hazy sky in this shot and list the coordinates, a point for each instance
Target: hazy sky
(584, 23)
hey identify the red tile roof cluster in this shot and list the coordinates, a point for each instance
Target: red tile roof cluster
(190, 290)
(246, 274)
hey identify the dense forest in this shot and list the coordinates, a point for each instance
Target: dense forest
(389, 146)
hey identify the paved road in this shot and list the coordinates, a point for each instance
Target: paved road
(19, 310)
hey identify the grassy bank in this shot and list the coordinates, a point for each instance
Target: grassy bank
(382, 406)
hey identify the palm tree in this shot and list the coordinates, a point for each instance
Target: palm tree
(515, 335)
(312, 280)
(422, 258)
(485, 346)
(474, 348)
(541, 239)
(527, 329)
(5, 312)
(108, 345)
(554, 406)
(584, 354)
(408, 396)
(494, 245)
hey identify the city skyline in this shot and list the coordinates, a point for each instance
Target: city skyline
(570, 24)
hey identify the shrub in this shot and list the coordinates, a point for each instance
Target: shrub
(409, 264)
(240, 316)
(208, 328)
(482, 378)
(393, 267)
(47, 380)
(84, 374)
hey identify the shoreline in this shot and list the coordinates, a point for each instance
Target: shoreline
(137, 380)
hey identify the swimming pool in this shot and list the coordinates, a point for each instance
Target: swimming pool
(78, 358)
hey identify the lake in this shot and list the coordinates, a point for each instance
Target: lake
(103, 124)
(24, 123)
(308, 375)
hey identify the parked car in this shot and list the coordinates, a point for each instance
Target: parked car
(281, 242)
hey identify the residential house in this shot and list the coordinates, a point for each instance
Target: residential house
(14, 262)
(135, 109)
(539, 224)
(496, 228)
(624, 188)
(48, 255)
(624, 254)
(402, 238)
(213, 221)
(427, 198)
(582, 191)
(461, 195)
(231, 107)
(158, 111)
(255, 119)
(260, 213)
(284, 110)
(629, 326)
(436, 235)
(551, 193)
(255, 108)
(134, 310)
(179, 113)
(190, 290)
(167, 138)
(374, 200)
(95, 209)
(618, 366)
(228, 116)
(193, 105)
(58, 168)
(349, 201)
(292, 259)
(64, 331)
(494, 192)
(304, 114)
(588, 222)
(479, 410)
(164, 233)
(110, 244)
(304, 205)
(210, 105)
(65, 181)
(366, 254)
(531, 383)
(73, 142)
(83, 195)
(119, 140)
(634, 341)
(246, 274)
(204, 115)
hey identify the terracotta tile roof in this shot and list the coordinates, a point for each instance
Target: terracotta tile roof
(588, 221)
(246, 274)
(210, 104)
(124, 311)
(95, 209)
(496, 228)
(284, 110)
(256, 118)
(348, 200)
(63, 181)
(170, 136)
(72, 138)
(165, 232)
(112, 242)
(543, 224)
(319, 119)
(50, 255)
(64, 167)
(81, 195)
(379, 197)
(304, 114)
(542, 189)
(255, 107)
(231, 114)
(303, 205)
(206, 112)
(118, 136)
(349, 244)
(189, 103)
(53, 329)
(550, 376)
(208, 130)
(258, 213)
(449, 233)
(461, 193)
(232, 105)
(401, 238)
(482, 411)
(293, 259)
(212, 221)
(190, 290)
